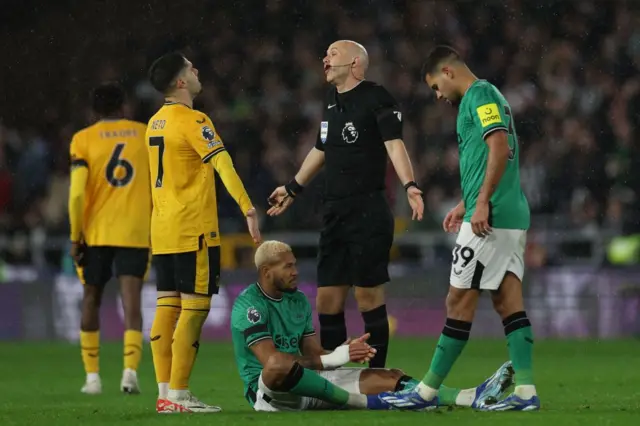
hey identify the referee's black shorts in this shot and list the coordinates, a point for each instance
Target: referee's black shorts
(355, 242)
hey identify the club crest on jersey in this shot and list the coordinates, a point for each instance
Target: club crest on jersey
(349, 132)
(253, 316)
(324, 131)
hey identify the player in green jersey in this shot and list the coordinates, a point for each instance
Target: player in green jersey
(284, 367)
(491, 222)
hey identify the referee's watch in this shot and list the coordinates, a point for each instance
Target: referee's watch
(410, 184)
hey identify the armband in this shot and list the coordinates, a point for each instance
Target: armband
(293, 188)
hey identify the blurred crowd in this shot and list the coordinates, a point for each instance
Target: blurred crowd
(569, 69)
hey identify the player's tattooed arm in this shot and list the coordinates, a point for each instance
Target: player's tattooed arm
(265, 349)
(310, 362)
(311, 346)
(496, 164)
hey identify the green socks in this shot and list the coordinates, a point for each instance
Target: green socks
(452, 341)
(303, 382)
(447, 396)
(517, 328)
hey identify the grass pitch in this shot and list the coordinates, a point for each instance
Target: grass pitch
(579, 382)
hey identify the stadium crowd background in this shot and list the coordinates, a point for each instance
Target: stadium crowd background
(571, 71)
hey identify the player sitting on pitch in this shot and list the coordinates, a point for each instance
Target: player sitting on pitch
(284, 367)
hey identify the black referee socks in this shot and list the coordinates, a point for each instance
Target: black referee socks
(376, 323)
(333, 330)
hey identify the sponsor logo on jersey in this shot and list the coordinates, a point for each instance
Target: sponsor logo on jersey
(489, 114)
(324, 131)
(283, 342)
(349, 132)
(253, 316)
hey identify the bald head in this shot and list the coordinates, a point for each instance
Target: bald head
(354, 50)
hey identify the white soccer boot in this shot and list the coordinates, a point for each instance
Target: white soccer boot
(183, 401)
(93, 385)
(129, 382)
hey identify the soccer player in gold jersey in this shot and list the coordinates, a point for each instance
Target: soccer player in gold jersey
(110, 213)
(184, 151)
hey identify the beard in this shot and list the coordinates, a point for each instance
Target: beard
(454, 101)
(280, 285)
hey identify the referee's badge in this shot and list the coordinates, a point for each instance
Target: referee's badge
(324, 131)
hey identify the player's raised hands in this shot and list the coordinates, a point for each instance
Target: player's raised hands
(360, 352)
(361, 339)
(279, 201)
(414, 195)
(453, 220)
(253, 226)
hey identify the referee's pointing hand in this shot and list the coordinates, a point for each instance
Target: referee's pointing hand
(415, 201)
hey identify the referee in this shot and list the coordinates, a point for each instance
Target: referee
(361, 125)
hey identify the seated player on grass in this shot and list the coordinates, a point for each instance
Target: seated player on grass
(284, 367)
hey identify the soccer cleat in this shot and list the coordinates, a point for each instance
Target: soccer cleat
(492, 389)
(164, 406)
(92, 387)
(374, 402)
(183, 401)
(129, 382)
(408, 399)
(514, 403)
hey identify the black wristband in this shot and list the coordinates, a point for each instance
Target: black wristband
(409, 185)
(293, 188)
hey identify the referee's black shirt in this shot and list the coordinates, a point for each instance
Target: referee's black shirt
(355, 125)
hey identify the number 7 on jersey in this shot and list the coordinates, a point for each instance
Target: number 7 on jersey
(159, 142)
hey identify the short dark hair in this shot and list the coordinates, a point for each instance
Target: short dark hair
(165, 69)
(108, 98)
(437, 55)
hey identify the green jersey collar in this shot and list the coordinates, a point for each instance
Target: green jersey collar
(273, 299)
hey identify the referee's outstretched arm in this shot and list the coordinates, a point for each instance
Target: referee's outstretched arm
(402, 164)
(283, 196)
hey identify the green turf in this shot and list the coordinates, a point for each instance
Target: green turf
(580, 383)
